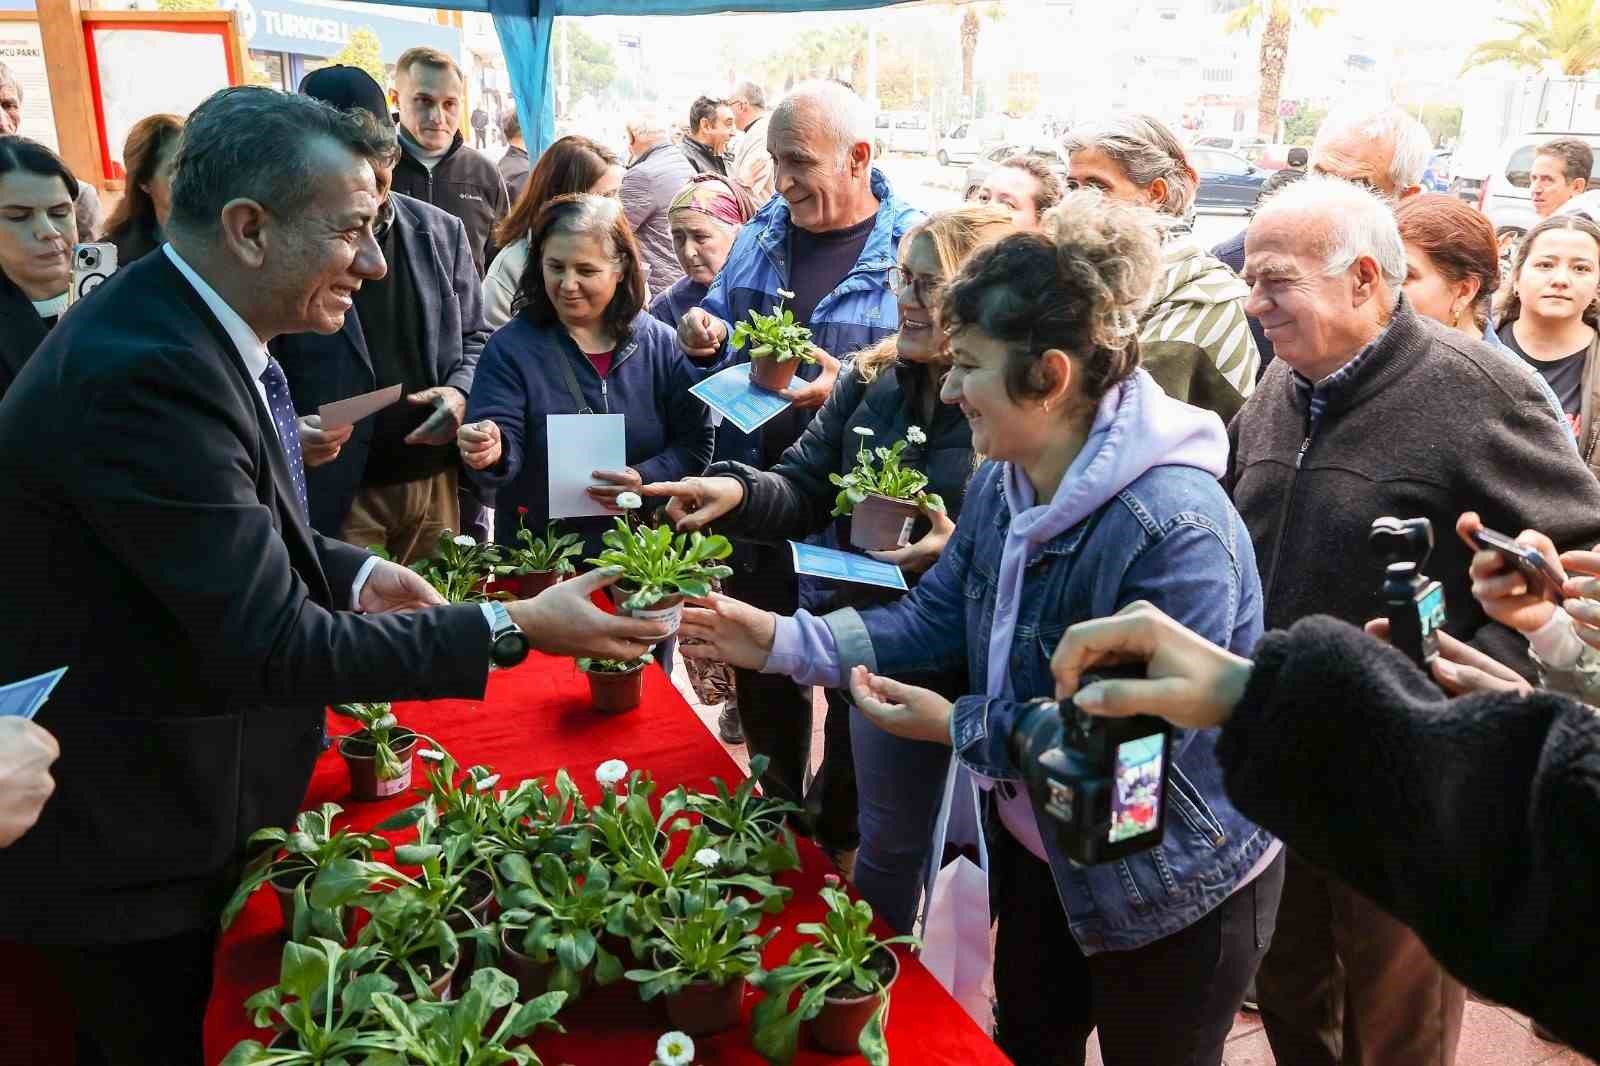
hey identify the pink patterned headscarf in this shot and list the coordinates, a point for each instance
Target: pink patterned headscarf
(717, 196)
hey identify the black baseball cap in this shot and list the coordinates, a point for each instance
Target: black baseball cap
(347, 87)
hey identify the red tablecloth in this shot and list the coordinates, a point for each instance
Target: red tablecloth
(533, 720)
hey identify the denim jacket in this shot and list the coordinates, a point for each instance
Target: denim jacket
(1172, 538)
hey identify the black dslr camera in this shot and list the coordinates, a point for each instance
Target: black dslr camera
(1413, 604)
(1103, 780)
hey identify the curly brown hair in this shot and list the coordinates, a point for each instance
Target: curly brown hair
(1080, 286)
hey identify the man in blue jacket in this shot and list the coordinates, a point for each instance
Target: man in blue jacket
(826, 242)
(391, 479)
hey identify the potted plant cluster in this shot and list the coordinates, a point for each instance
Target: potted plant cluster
(704, 947)
(430, 1033)
(842, 977)
(461, 568)
(289, 862)
(539, 562)
(660, 568)
(883, 499)
(551, 920)
(615, 685)
(778, 344)
(748, 829)
(378, 755)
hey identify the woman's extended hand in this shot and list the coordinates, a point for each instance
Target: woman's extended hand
(724, 629)
(616, 482)
(1190, 681)
(920, 556)
(696, 502)
(479, 443)
(900, 709)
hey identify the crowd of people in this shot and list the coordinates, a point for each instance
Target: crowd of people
(1146, 450)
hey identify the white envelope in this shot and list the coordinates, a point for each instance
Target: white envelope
(349, 411)
(577, 446)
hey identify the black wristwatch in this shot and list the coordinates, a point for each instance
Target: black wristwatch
(508, 644)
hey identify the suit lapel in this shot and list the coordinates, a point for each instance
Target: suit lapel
(281, 498)
(357, 338)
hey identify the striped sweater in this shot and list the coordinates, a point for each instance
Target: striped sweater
(1194, 339)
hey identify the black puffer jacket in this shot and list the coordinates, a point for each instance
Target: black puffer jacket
(794, 499)
(1475, 821)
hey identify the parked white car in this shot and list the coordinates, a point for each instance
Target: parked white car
(903, 131)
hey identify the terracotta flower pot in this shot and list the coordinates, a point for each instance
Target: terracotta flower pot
(838, 1027)
(772, 375)
(878, 523)
(359, 756)
(702, 1008)
(668, 609)
(615, 693)
(532, 976)
(531, 584)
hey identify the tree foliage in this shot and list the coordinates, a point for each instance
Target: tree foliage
(1277, 19)
(1552, 36)
(365, 52)
(593, 64)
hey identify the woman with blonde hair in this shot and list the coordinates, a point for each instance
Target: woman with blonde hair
(892, 391)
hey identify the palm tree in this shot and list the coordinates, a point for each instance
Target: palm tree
(1556, 36)
(1280, 17)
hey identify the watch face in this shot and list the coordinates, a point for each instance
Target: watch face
(510, 648)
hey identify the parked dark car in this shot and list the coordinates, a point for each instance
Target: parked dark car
(979, 168)
(1226, 180)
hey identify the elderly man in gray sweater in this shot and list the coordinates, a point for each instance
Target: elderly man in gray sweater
(657, 169)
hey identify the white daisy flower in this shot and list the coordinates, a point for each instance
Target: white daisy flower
(786, 294)
(610, 772)
(464, 541)
(675, 1049)
(708, 858)
(863, 431)
(915, 435)
(629, 501)
(485, 784)
(431, 754)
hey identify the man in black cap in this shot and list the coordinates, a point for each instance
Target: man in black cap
(390, 480)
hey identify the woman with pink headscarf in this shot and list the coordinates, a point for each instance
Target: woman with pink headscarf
(704, 218)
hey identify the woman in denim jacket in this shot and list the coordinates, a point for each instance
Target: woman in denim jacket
(1154, 950)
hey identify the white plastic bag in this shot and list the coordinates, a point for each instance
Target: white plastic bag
(957, 948)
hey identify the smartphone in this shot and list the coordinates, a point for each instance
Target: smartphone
(1541, 577)
(91, 265)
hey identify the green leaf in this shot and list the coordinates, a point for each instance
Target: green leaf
(356, 997)
(244, 1053)
(416, 854)
(536, 1012)
(872, 1043)
(305, 969)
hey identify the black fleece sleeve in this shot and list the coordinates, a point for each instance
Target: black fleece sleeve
(1476, 821)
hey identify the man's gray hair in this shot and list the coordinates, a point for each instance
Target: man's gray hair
(258, 144)
(1354, 222)
(1390, 124)
(751, 93)
(644, 123)
(1146, 150)
(839, 112)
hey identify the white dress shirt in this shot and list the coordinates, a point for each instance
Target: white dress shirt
(255, 355)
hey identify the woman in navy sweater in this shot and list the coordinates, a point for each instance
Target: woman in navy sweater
(579, 342)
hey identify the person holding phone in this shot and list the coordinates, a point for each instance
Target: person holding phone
(37, 233)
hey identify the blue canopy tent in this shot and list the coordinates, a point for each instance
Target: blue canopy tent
(526, 27)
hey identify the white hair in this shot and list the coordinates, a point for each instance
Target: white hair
(839, 111)
(644, 123)
(1353, 222)
(1408, 138)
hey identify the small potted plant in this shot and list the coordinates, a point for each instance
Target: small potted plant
(660, 568)
(844, 975)
(461, 568)
(320, 1008)
(615, 685)
(291, 860)
(777, 343)
(703, 949)
(539, 562)
(550, 924)
(378, 755)
(747, 829)
(460, 1034)
(413, 943)
(883, 500)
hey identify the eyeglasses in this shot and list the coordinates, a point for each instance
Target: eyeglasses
(923, 286)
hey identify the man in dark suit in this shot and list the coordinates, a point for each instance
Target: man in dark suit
(162, 554)
(390, 480)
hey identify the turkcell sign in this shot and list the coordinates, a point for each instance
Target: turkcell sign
(322, 30)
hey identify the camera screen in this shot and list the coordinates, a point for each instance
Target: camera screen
(1430, 611)
(1136, 796)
